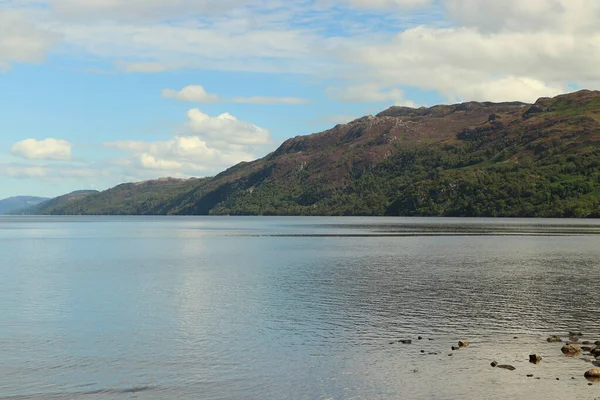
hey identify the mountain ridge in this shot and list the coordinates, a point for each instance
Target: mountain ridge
(467, 159)
(15, 203)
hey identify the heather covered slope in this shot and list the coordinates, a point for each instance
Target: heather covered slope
(470, 159)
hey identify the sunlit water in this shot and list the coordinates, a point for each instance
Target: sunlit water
(293, 308)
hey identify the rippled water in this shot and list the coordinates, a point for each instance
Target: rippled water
(293, 308)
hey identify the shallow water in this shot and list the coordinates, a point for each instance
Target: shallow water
(293, 308)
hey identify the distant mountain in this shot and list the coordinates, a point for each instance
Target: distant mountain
(469, 159)
(125, 199)
(43, 207)
(20, 202)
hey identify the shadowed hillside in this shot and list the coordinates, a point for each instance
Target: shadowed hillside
(18, 203)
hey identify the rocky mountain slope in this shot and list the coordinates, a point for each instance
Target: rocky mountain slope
(470, 159)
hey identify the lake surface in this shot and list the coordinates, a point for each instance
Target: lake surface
(294, 308)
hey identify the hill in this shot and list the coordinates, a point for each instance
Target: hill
(148, 197)
(20, 202)
(469, 159)
(56, 203)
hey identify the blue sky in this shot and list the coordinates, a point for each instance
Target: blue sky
(98, 92)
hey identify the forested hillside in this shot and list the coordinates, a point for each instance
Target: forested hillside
(470, 159)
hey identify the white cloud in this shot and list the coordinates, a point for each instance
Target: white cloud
(335, 119)
(140, 9)
(197, 94)
(465, 64)
(365, 93)
(151, 48)
(23, 171)
(48, 149)
(226, 129)
(192, 93)
(526, 16)
(389, 3)
(210, 145)
(20, 40)
(53, 172)
(463, 49)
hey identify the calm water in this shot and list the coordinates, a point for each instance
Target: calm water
(293, 308)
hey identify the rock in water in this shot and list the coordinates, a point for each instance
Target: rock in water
(462, 343)
(405, 341)
(570, 349)
(593, 373)
(554, 339)
(535, 358)
(508, 367)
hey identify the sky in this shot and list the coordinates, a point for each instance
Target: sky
(94, 93)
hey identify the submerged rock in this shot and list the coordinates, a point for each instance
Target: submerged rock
(570, 349)
(535, 358)
(554, 339)
(455, 348)
(405, 341)
(462, 343)
(575, 334)
(506, 366)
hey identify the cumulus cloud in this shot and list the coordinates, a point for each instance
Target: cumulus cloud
(463, 63)
(209, 145)
(226, 129)
(47, 149)
(192, 93)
